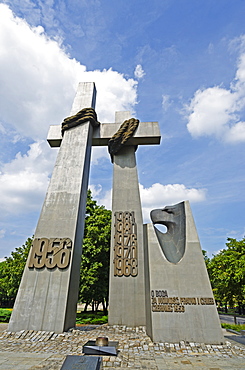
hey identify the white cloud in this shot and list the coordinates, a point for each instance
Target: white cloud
(156, 196)
(2, 233)
(99, 152)
(139, 72)
(166, 102)
(38, 80)
(95, 189)
(2, 129)
(105, 200)
(37, 85)
(24, 181)
(217, 111)
(114, 92)
(159, 196)
(236, 133)
(211, 110)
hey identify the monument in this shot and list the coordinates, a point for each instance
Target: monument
(127, 270)
(156, 279)
(180, 303)
(48, 293)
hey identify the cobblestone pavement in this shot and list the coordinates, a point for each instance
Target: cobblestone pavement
(46, 350)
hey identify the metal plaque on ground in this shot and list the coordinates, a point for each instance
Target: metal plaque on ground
(82, 363)
(90, 348)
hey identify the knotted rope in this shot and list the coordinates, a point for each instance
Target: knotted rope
(84, 115)
(124, 133)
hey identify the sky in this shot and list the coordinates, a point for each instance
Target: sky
(178, 62)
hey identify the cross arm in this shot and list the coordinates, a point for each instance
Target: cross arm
(147, 133)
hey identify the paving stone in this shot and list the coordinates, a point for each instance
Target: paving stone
(136, 349)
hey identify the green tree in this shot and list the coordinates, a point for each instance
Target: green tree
(11, 271)
(227, 274)
(94, 281)
(206, 258)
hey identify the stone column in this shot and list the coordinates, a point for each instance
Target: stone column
(127, 284)
(48, 293)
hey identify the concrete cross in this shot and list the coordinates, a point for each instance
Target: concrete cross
(48, 293)
(127, 259)
(147, 133)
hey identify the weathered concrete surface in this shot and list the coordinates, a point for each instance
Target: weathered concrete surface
(147, 133)
(187, 278)
(127, 293)
(47, 298)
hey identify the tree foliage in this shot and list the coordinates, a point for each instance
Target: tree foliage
(227, 274)
(11, 271)
(94, 281)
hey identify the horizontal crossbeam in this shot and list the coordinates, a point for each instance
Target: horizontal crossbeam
(147, 133)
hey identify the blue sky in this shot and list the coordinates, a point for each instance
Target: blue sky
(178, 62)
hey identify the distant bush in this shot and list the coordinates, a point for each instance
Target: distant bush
(102, 320)
(5, 314)
(233, 327)
(82, 317)
(91, 318)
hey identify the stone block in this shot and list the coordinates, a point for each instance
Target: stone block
(180, 303)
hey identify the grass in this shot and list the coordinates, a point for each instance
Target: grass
(83, 318)
(91, 318)
(5, 314)
(233, 327)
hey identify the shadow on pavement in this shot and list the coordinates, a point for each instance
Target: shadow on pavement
(236, 338)
(86, 327)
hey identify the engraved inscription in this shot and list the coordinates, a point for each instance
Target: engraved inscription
(161, 302)
(50, 253)
(125, 245)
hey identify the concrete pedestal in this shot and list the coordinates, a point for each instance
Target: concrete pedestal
(180, 302)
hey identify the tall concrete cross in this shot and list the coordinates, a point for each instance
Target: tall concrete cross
(48, 293)
(127, 258)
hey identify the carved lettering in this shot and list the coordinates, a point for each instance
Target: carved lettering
(160, 293)
(50, 253)
(188, 301)
(162, 308)
(161, 302)
(206, 301)
(125, 245)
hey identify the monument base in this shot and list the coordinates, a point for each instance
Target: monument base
(180, 303)
(90, 348)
